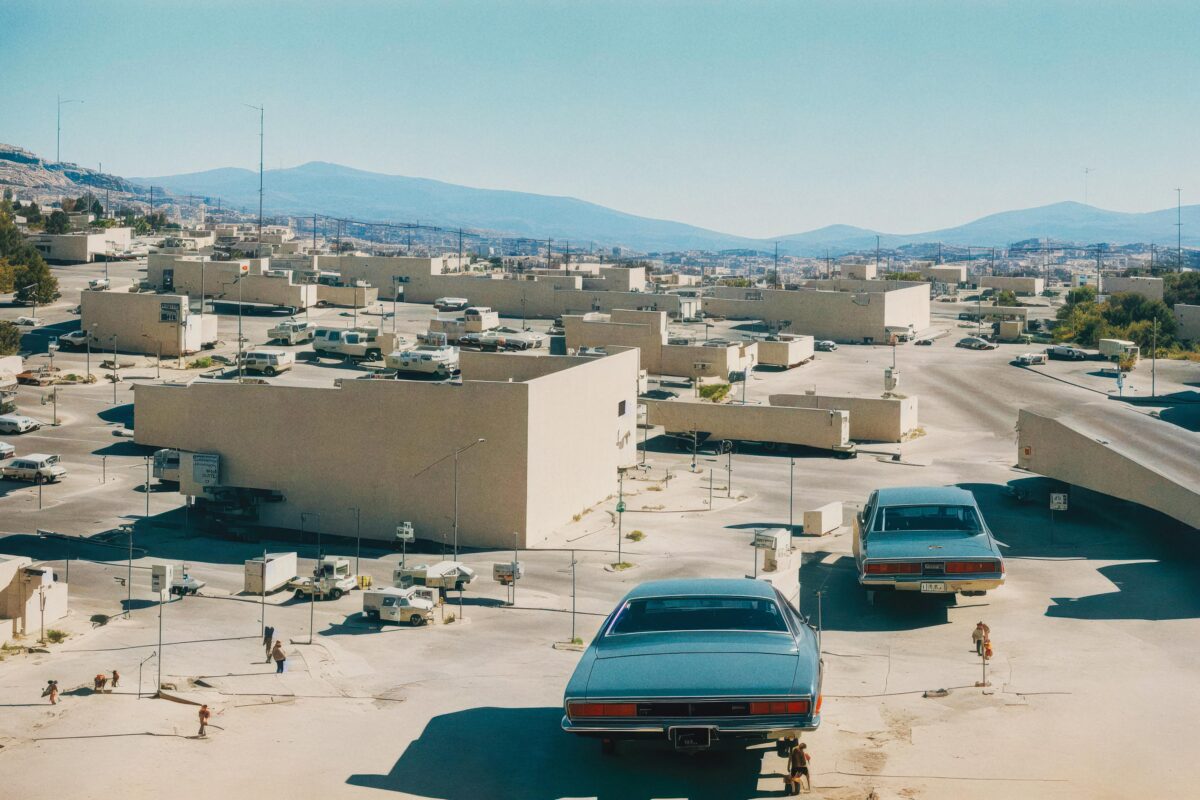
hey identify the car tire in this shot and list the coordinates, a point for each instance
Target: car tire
(336, 594)
(415, 620)
(270, 372)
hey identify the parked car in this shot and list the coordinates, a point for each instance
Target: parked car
(268, 362)
(975, 343)
(7, 450)
(451, 303)
(924, 342)
(29, 322)
(35, 467)
(186, 584)
(426, 359)
(1063, 352)
(1029, 359)
(292, 332)
(75, 340)
(926, 539)
(348, 343)
(825, 345)
(697, 662)
(17, 423)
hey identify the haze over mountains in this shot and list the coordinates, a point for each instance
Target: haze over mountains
(320, 187)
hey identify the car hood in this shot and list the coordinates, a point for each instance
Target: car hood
(931, 544)
(717, 665)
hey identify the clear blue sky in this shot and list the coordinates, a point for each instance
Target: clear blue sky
(758, 118)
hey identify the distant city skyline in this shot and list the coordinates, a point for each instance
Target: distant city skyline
(753, 118)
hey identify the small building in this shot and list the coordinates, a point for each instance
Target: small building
(144, 322)
(1017, 284)
(81, 246)
(859, 272)
(1188, 319)
(1150, 288)
(30, 596)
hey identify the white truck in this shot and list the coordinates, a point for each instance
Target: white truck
(1118, 348)
(413, 605)
(166, 465)
(445, 575)
(332, 578)
(292, 332)
(348, 343)
(269, 574)
(426, 359)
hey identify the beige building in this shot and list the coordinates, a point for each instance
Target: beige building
(1188, 318)
(841, 309)
(244, 280)
(786, 351)
(806, 427)
(953, 274)
(386, 273)
(558, 428)
(1151, 288)
(144, 322)
(647, 331)
(1018, 284)
(859, 272)
(82, 246)
(872, 419)
(31, 597)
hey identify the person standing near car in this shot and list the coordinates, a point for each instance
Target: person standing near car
(979, 636)
(798, 761)
(268, 637)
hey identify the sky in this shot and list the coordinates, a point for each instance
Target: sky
(753, 118)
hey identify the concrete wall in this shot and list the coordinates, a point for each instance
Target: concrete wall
(872, 419)
(862, 272)
(22, 590)
(347, 296)
(1188, 318)
(219, 280)
(382, 272)
(1136, 284)
(945, 273)
(542, 298)
(143, 322)
(80, 247)
(1020, 284)
(787, 353)
(801, 426)
(680, 360)
(553, 444)
(850, 311)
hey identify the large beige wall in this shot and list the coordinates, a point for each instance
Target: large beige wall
(347, 296)
(946, 273)
(1018, 284)
(191, 275)
(800, 426)
(872, 419)
(645, 335)
(849, 314)
(1151, 288)
(543, 298)
(135, 318)
(382, 271)
(553, 443)
(681, 360)
(1188, 318)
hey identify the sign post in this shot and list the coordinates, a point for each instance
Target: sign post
(404, 533)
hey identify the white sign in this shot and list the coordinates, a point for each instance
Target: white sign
(404, 533)
(168, 312)
(160, 577)
(206, 469)
(1058, 501)
(768, 539)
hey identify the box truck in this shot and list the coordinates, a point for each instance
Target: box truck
(270, 574)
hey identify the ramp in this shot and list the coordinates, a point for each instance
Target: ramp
(1115, 450)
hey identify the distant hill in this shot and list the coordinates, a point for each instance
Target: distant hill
(22, 169)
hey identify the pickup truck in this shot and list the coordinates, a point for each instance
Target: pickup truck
(413, 605)
(425, 359)
(332, 580)
(352, 343)
(444, 575)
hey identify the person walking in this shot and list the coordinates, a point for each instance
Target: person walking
(116, 678)
(279, 656)
(268, 637)
(204, 716)
(798, 761)
(979, 636)
(99, 681)
(51, 691)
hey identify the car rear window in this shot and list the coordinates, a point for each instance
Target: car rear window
(653, 614)
(928, 518)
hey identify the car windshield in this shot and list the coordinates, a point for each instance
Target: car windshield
(961, 519)
(708, 613)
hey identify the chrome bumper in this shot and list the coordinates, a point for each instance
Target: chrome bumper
(734, 729)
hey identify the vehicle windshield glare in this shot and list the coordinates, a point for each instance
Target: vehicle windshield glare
(959, 519)
(655, 614)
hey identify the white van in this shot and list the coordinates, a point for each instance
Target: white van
(268, 362)
(451, 303)
(17, 423)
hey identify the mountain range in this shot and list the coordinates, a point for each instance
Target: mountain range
(336, 190)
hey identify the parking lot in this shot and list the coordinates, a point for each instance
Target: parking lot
(1095, 631)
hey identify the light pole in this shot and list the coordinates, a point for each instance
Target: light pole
(791, 495)
(129, 574)
(116, 376)
(58, 128)
(357, 538)
(238, 281)
(32, 297)
(147, 487)
(455, 456)
(261, 112)
(140, 665)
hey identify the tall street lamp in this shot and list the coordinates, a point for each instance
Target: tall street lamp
(455, 456)
(58, 128)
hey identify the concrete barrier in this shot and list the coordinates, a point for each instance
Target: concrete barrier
(787, 353)
(872, 419)
(823, 520)
(808, 427)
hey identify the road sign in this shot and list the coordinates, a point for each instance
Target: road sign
(404, 533)
(620, 506)
(206, 469)
(1058, 501)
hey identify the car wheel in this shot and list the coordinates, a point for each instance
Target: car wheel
(39, 478)
(415, 620)
(270, 372)
(337, 594)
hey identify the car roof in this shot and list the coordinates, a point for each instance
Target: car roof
(676, 587)
(917, 495)
(36, 456)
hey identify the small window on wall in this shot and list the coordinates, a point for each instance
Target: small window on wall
(621, 409)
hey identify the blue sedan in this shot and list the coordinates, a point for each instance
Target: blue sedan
(695, 663)
(926, 539)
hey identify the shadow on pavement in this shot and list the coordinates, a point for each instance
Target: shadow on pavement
(122, 413)
(521, 754)
(845, 606)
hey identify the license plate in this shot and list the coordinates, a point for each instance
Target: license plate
(687, 738)
(933, 587)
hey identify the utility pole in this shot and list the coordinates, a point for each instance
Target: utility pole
(791, 493)
(261, 112)
(1178, 229)
(314, 247)
(778, 282)
(58, 128)
(1086, 170)
(876, 253)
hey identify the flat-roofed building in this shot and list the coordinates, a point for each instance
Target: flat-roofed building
(1188, 319)
(1144, 285)
(144, 322)
(557, 429)
(81, 246)
(1017, 284)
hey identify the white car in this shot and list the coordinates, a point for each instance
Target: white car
(7, 450)
(72, 340)
(1028, 359)
(35, 467)
(451, 303)
(16, 423)
(825, 345)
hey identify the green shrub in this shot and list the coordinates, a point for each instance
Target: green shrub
(714, 392)
(55, 635)
(204, 362)
(635, 536)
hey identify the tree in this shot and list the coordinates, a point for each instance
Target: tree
(10, 338)
(7, 275)
(58, 222)
(32, 213)
(1181, 287)
(35, 283)
(904, 276)
(1007, 297)
(140, 226)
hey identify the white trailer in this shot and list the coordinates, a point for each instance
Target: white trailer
(1118, 348)
(413, 605)
(271, 574)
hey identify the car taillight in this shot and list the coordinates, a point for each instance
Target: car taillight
(576, 710)
(820, 698)
(908, 568)
(780, 707)
(961, 567)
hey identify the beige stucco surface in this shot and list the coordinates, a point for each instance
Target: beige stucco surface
(754, 423)
(872, 419)
(136, 320)
(1013, 283)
